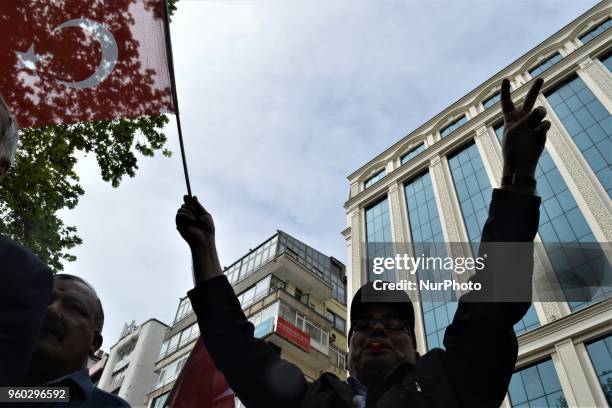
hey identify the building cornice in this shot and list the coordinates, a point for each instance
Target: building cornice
(488, 86)
(582, 325)
(488, 117)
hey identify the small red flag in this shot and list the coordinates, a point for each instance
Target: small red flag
(67, 61)
(200, 384)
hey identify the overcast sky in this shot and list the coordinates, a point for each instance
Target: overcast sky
(280, 100)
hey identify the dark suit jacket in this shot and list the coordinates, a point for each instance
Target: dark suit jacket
(473, 371)
(25, 292)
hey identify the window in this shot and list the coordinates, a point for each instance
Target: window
(319, 338)
(412, 153)
(184, 309)
(318, 263)
(123, 357)
(336, 321)
(528, 322)
(600, 353)
(588, 123)
(164, 348)
(179, 340)
(453, 126)
(119, 374)
(338, 288)
(288, 314)
(549, 62)
(255, 292)
(473, 189)
(600, 28)
(375, 178)
(189, 334)
(253, 261)
(337, 357)
(264, 320)
(536, 386)
(378, 237)
(426, 231)
(170, 372)
(159, 402)
(487, 103)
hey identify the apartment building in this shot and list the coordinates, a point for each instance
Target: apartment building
(294, 295)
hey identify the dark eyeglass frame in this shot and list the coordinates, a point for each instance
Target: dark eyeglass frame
(390, 324)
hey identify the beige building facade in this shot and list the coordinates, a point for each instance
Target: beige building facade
(435, 183)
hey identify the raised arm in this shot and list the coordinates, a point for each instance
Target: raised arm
(481, 347)
(258, 376)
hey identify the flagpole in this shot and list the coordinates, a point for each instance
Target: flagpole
(174, 93)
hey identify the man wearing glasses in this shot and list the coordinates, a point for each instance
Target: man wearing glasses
(385, 368)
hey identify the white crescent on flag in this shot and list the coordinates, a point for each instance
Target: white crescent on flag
(108, 45)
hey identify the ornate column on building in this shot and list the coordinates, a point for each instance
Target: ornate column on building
(451, 220)
(491, 156)
(355, 274)
(403, 245)
(596, 77)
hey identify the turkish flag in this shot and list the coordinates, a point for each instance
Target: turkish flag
(200, 383)
(67, 61)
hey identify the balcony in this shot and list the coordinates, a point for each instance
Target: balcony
(287, 267)
(291, 260)
(304, 334)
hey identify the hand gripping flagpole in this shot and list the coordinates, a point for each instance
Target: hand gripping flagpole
(174, 94)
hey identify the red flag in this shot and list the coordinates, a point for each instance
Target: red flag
(66, 61)
(200, 384)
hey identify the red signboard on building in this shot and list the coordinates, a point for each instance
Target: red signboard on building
(293, 334)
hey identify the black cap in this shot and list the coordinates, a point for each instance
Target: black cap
(396, 299)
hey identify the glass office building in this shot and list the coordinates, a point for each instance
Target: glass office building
(437, 186)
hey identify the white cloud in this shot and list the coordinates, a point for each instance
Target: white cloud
(280, 101)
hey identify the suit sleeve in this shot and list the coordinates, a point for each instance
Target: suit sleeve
(254, 371)
(481, 346)
(25, 293)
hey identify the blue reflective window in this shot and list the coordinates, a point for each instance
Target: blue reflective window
(607, 61)
(487, 103)
(378, 237)
(600, 352)
(453, 126)
(425, 227)
(596, 31)
(549, 62)
(528, 322)
(561, 221)
(412, 153)
(536, 386)
(473, 189)
(589, 124)
(375, 178)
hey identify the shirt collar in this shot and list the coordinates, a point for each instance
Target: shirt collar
(79, 378)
